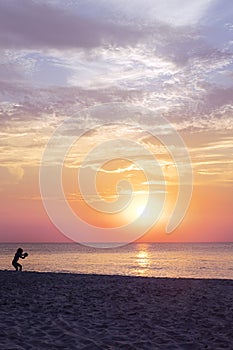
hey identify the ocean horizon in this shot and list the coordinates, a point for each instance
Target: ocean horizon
(175, 260)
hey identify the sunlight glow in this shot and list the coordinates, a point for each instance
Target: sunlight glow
(140, 209)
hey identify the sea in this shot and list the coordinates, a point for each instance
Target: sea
(175, 260)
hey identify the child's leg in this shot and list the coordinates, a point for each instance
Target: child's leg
(15, 264)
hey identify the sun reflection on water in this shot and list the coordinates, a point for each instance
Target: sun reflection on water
(143, 261)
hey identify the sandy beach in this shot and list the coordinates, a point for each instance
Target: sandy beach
(66, 311)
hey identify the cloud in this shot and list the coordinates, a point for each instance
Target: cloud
(217, 97)
(58, 63)
(11, 175)
(173, 12)
(48, 44)
(29, 24)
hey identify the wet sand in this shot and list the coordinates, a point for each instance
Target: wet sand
(67, 311)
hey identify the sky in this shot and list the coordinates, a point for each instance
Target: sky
(110, 70)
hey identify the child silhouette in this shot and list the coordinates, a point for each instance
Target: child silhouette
(18, 254)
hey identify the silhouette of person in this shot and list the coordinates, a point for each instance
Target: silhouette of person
(18, 254)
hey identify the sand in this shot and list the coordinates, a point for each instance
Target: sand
(67, 311)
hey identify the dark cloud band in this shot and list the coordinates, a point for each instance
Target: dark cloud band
(25, 24)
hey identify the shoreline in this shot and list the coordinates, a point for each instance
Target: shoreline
(51, 310)
(55, 273)
(68, 273)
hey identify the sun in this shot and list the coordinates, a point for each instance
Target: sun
(140, 209)
(136, 209)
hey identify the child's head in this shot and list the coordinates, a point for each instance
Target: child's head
(20, 250)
